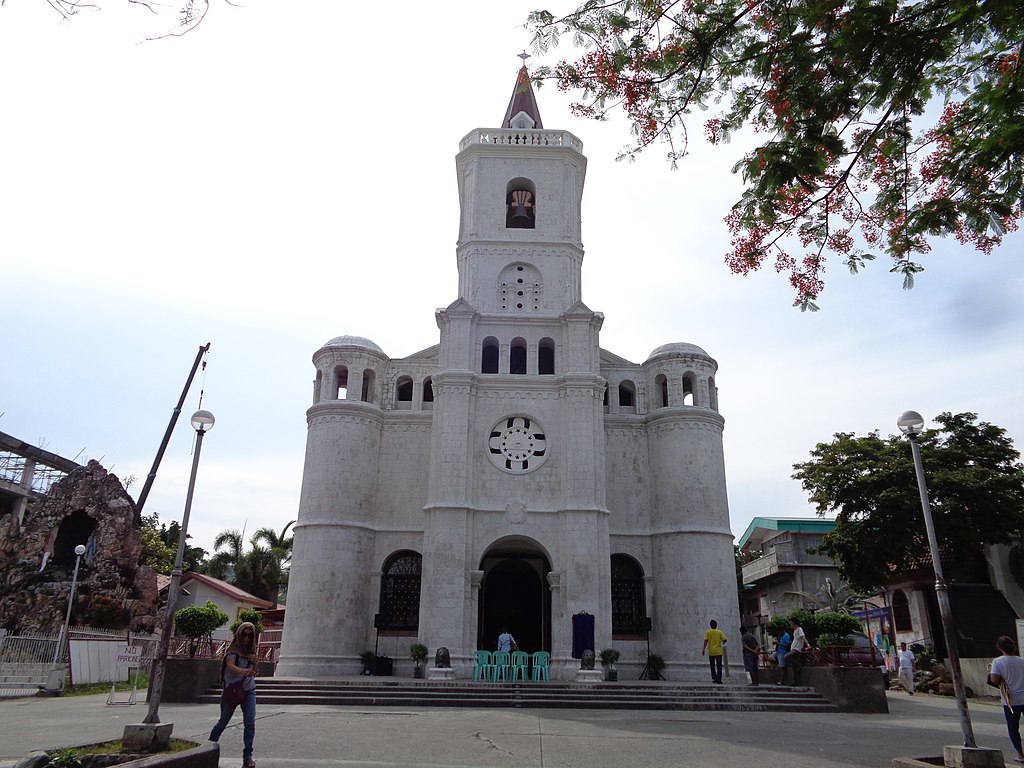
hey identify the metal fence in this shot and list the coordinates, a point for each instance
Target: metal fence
(25, 663)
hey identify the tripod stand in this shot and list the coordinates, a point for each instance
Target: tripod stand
(647, 673)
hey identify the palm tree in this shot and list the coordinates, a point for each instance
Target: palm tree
(280, 546)
(832, 597)
(224, 565)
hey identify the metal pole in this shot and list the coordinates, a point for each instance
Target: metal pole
(157, 685)
(942, 593)
(144, 493)
(67, 617)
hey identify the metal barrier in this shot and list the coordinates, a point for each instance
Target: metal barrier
(25, 663)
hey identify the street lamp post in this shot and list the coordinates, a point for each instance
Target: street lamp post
(79, 551)
(911, 423)
(202, 422)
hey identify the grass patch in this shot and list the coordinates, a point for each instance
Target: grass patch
(120, 686)
(68, 756)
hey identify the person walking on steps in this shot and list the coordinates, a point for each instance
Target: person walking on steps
(240, 667)
(714, 642)
(794, 657)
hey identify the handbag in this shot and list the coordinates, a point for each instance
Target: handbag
(234, 694)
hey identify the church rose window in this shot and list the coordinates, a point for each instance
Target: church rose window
(400, 593)
(629, 611)
(517, 444)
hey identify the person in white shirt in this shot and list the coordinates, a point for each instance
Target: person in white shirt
(906, 661)
(506, 641)
(1007, 674)
(795, 655)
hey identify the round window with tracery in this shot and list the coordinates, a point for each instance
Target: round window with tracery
(517, 444)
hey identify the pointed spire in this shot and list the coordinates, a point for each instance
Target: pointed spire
(523, 102)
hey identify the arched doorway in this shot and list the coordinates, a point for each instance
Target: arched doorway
(514, 593)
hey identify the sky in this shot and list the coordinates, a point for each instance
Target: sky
(284, 174)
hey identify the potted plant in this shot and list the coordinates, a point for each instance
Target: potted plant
(367, 658)
(654, 666)
(608, 658)
(418, 653)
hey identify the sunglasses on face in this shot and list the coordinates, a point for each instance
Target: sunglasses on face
(247, 634)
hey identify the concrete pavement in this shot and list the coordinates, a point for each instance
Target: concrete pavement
(351, 737)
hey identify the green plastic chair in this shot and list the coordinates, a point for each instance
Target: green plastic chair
(483, 666)
(501, 665)
(520, 663)
(540, 662)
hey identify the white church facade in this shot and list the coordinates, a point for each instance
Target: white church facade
(516, 474)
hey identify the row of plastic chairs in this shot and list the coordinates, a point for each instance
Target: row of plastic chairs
(500, 666)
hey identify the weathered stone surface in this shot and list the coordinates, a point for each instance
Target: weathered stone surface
(90, 507)
(146, 737)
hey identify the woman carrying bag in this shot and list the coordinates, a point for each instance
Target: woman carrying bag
(1007, 674)
(240, 688)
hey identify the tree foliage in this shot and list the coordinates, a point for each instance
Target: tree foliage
(885, 122)
(262, 570)
(976, 494)
(155, 551)
(815, 625)
(197, 622)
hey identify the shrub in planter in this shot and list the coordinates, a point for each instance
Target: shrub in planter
(418, 653)
(608, 657)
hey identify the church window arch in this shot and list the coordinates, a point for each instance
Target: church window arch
(712, 393)
(369, 385)
(520, 288)
(489, 355)
(661, 387)
(400, 592)
(627, 396)
(629, 607)
(428, 393)
(340, 382)
(546, 357)
(520, 204)
(517, 356)
(605, 398)
(901, 612)
(403, 392)
(689, 392)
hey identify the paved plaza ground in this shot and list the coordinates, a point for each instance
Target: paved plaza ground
(361, 737)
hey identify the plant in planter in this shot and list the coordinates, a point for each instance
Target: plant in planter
(608, 658)
(367, 658)
(418, 653)
(654, 666)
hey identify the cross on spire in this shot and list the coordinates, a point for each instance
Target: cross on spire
(524, 56)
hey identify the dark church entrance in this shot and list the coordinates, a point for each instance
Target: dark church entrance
(515, 594)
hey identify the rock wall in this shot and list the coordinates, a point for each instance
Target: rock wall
(90, 507)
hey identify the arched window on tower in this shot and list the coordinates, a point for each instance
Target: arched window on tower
(901, 612)
(340, 383)
(400, 592)
(627, 396)
(517, 357)
(489, 356)
(605, 403)
(629, 608)
(369, 385)
(546, 357)
(428, 393)
(403, 393)
(661, 385)
(520, 204)
(689, 397)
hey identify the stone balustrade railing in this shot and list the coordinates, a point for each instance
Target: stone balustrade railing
(526, 138)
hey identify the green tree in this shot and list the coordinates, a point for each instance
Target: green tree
(252, 616)
(832, 597)
(884, 123)
(280, 546)
(224, 564)
(258, 573)
(192, 558)
(155, 551)
(976, 492)
(197, 622)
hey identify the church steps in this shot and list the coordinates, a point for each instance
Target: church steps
(694, 697)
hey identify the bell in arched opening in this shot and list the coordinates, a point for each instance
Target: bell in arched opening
(521, 212)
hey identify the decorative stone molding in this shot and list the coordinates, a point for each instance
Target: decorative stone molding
(515, 513)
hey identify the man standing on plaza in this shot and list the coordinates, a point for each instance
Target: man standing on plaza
(714, 644)
(795, 656)
(906, 660)
(751, 653)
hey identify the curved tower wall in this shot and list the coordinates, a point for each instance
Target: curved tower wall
(332, 556)
(691, 541)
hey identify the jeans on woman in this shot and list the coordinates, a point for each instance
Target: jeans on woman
(248, 722)
(1013, 725)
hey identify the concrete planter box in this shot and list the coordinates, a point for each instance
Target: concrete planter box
(852, 689)
(185, 680)
(205, 755)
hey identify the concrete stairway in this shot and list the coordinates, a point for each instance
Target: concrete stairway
(555, 695)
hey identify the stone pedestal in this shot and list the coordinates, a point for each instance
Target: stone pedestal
(146, 737)
(440, 673)
(972, 757)
(588, 676)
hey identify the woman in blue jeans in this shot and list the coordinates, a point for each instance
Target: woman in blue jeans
(240, 666)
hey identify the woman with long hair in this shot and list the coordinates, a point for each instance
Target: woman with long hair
(1007, 674)
(240, 667)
